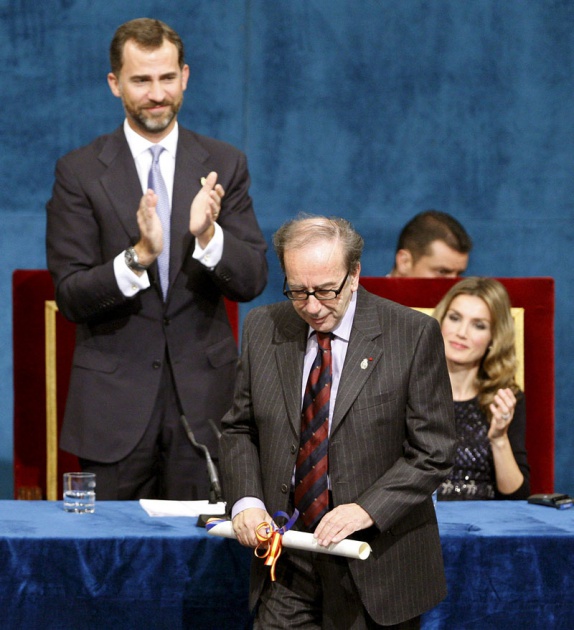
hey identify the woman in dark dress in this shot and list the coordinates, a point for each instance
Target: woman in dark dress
(478, 332)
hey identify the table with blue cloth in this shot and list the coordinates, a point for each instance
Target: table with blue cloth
(116, 568)
(508, 565)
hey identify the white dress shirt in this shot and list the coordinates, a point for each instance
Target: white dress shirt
(128, 281)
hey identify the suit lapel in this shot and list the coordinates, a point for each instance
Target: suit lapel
(291, 343)
(120, 180)
(190, 167)
(363, 355)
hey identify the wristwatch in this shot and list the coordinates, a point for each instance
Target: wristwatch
(132, 261)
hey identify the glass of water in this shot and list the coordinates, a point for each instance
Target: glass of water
(80, 492)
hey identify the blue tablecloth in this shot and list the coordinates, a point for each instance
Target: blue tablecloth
(509, 565)
(117, 568)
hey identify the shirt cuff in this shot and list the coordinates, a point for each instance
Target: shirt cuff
(245, 504)
(128, 281)
(211, 255)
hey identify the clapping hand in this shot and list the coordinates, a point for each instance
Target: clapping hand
(502, 409)
(205, 209)
(150, 244)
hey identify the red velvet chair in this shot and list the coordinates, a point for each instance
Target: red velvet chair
(43, 345)
(536, 297)
(44, 342)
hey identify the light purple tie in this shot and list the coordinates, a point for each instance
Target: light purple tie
(157, 184)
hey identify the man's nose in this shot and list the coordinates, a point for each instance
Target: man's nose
(156, 92)
(313, 304)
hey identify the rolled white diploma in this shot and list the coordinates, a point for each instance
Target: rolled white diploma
(303, 540)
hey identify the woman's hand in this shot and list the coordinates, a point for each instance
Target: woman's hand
(502, 410)
(508, 476)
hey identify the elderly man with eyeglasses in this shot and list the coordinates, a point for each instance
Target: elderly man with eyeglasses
(342, 412)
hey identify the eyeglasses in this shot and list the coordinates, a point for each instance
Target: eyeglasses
(320, 294)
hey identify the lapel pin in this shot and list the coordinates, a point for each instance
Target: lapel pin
(202, 181)
(364, 364)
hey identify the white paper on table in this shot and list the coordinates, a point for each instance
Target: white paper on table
(156, 507)
(307, 542)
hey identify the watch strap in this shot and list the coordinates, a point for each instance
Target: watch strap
(132, 261)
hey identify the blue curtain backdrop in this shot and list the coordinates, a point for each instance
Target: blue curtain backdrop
(373, 110)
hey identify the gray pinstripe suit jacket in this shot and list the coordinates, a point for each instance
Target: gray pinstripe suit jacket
(391, 443)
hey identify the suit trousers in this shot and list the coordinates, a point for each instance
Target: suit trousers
(315, 591)
(163, 465)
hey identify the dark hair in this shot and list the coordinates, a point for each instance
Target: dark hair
(146, 33)
(429, 226)
(305, 229)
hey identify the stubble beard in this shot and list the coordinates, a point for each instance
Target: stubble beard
(151, 123)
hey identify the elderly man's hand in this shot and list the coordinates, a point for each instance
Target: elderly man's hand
(246, 522)
(341, 522)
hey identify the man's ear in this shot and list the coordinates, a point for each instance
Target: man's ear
(355, 278)
(184, 77)
(114, 84)
(403, 262)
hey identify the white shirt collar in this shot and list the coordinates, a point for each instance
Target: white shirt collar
(138, 144)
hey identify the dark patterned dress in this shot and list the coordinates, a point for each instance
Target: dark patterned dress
(473, 475)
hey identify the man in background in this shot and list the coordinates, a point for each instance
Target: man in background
(149, 228)
(432, 244)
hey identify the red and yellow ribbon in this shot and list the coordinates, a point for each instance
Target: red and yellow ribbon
(270, 539)
(269, 547)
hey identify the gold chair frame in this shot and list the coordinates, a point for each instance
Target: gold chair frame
(50, 310)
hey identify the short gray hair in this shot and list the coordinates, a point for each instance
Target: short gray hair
(306, 228)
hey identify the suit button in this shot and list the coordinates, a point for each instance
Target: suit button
(284, 488)
(293, 448)
(156, 365)
(166, 321)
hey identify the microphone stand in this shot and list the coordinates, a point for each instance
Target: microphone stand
(215, 493)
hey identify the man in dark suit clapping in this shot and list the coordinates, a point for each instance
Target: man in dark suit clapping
(149, 228)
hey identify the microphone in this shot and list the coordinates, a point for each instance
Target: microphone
(214, 427)
(215, 493)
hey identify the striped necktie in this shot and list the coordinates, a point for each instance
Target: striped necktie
(157, 184)
(311, 487)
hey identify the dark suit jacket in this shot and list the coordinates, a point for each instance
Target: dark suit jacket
(121, 342)
(391, 442)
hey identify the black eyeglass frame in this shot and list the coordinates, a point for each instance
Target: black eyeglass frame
(288, 293)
